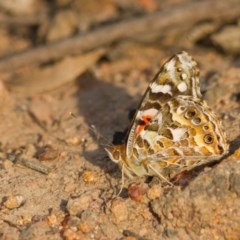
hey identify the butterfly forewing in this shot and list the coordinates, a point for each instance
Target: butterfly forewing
(178, 76)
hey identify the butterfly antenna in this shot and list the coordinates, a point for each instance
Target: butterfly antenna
(95, 132)
(99, 136)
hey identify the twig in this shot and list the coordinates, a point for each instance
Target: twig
(22, 20)
(37, 166)
(164, 21)
(54, 76)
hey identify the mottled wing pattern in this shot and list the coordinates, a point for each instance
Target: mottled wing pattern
(178, 76)
(189, 134)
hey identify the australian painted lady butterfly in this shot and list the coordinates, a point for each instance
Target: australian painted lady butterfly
(173, 129)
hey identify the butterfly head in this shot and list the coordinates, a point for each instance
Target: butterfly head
(117, 154)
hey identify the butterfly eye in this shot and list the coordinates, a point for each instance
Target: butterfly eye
(190, 113)
(196, 120)
(208, 138)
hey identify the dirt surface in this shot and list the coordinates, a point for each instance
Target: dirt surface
(56, 181)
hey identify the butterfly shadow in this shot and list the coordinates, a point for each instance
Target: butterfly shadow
(105, 109)
(234, 145)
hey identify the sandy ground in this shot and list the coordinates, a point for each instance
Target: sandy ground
(56, 181)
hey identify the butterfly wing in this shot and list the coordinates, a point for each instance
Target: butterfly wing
(190, 134)
(178, 76)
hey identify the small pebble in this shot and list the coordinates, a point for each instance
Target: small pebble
(119, 210)
(12, 202)
(84, 228)
(7, 164)
(70, 234)
(24, 220)
(77, 205)
(88, 177)
(129, 238)
(70, 187)
(47, 154)
(154, 192)
(73, 223)
(52, 220)
(74, 141)
(137, 191)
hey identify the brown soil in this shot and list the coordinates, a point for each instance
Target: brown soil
(60, 131)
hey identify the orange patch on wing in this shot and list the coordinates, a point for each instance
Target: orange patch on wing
(145, 120)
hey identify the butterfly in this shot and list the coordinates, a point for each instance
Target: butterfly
(173, 128)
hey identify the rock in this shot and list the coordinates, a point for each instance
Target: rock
(89, 177)
(77, 205)
(14, 201)
(154, 192)
(137, 191)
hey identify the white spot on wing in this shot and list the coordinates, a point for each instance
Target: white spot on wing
(156, 88)
(171, 68)
(151, 112)
(184, 76)
(186, 60)
(170, 65)
(177, 133)
(182, 87)
(159, 118)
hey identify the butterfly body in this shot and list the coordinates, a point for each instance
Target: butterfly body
(173, 129)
